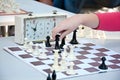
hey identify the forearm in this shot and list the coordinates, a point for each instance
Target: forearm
(90, 20)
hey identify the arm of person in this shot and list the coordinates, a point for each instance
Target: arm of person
(101, 21)
(70, 24)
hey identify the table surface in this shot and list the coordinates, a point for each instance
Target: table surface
(12, 68)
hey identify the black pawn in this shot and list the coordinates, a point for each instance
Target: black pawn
(47, 43)
(74, 40)
(62, 43)
(57, 46)
(103, 66)
(54, 75)
(49, 78)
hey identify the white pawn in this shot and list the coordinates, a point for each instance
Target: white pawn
(71, 55)
(65, 53)
(30, 47)
(63, 65)
(25, 45)
(36, 50)
(56, 54)
(71, 70)
(42, 52)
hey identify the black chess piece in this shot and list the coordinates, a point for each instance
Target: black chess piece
(74, 40)
(54, 75)
(49, 78)
(57, 46)
(47, 43)
(62, 43)
(103, 66)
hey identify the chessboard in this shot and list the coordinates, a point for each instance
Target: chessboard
(86, 62)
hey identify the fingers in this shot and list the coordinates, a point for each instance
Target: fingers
(60, 30)
(64, 34)
(55, 31)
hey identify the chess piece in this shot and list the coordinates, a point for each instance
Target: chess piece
(74, 40)
(71, 70)
(47, 43)
(56, 64)
(62, 43)
(36, 50)
(71, 55)
(25, 45)
(103, 66)
(63, 64)
(57, 46)
(43, 55)
(49, 78)
(65, 53)
(30, 47)
(81, 31)
(54, 75)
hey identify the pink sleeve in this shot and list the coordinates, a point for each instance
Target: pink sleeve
(109, 21)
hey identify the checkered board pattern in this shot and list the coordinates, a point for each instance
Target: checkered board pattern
(88, 59)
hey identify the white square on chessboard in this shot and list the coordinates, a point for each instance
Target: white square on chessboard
(109, 58)
(43, 50)
(30, 59)
(96, 47)
(48, 61)
(93, 51)
(111, 52)
(77, 54)
(90, 55)
(19, 52)
(118, 64)
(84, 65)
(87, 60)
(77, 49)
(80, 45)
(41, 67)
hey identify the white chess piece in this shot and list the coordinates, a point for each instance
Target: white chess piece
(71, 70)
(65, 53)
(30, 47)
(63, 62)
(36, 50)
(101, 35)
(25, 45)
(71, 55)
(63, 65)
(81, 30)
(94, 34)
(56, 66)
(42, 52)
